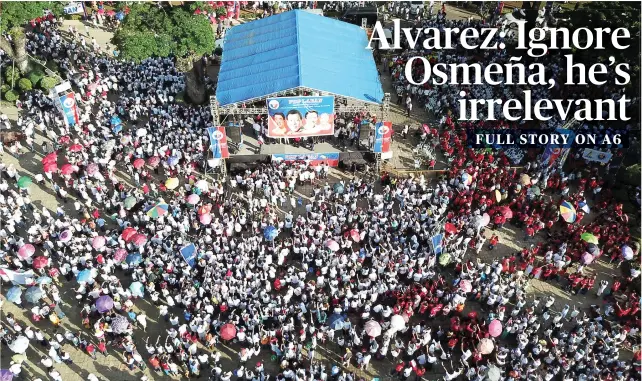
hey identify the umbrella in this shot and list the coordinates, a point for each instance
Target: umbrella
(494, 374)
(67, 169)
(26, 251)
(6, 375)
(373, 328)
(506, 212)
(44, 280)
(204, 209)
(64, 139)
(495, 328)
(84, 276)
(485, 346)
(50, 158)
(92, 169)
(332, 245)
(104, 303)
(130, 202)
(590, 238)
(228, 331)
(153, 161)
(120, 16)
(193, 199)
(65, 236)
(444, 259)
(138, 163)
(119, 324)
(450, 228)
(134, 259)
(137, 289)
(110, 12)
(397, 322)
(584, 206)
(75, 148)
(335, 321)
(202, 185)
(485, 219)
(128, 234)
(34, 294)
(525, 180)
(98, 242)
(141, 132)
(593, 249)
(627, 253)
(19, 345)
(587, 258)
(120, 255)
(535, 190)
(465, 286)
(568, 212)
(466, 178)
(50, 167)
(498, 195)
(139, 239)
(171, 183)
(24, 182)
(173, 160)
(205, 219)
(354, 234)
(270, 233)
(14, 293)
(338, 188)
(40, 262)
(158, 210)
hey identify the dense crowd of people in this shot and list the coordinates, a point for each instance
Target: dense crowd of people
(350, 271)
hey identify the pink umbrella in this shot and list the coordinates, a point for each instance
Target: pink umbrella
(138, 163)
(465, 286)
(485, 346)
(495, 328)
(120, 255)
(26, 251)
(98, 242)
(193, 199)
(75, 148)
(332, 245)
(373, 328)
(110, 13)
(101, 11)
(50, 167)
(139, 239)
(205, 219)
(128, 233)
(50, 158)
(64, 139)
(153, 161)
(92, 169)
(485, 219)
(587, 258)
(67, 169)
(354, 234)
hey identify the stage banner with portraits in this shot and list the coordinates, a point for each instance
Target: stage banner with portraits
(313, 159)
(297, 117)
(218, 142)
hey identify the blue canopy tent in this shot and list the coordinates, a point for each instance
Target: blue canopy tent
(293, 50)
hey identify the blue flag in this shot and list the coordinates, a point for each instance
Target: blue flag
(436, 243)
(189, 254)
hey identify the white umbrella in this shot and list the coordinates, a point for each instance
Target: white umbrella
(494, 374)
(397, 323)
(202, 185)
(141, 132)
(332, 245)
(19, 345)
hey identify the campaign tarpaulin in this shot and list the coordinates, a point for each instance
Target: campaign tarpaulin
(189, 254)
(69, 110)
(218, 142)
(331, 158)
(595, 155)
(74, 8)
(555, 153)
(383, 137)
(296, 117)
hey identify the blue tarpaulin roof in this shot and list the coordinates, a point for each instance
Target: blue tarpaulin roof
(297, 49)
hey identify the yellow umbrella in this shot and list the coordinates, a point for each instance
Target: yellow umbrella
(171, 183)
(498, 195)
(525, 179)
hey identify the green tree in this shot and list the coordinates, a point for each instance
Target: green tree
(14, 17)
(150, 31)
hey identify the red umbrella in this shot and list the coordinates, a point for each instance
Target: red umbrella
(64, 139)
(128, 234)
(110, 13)
(450, 228)
(138, 163)
(67, 169)
(228, 332)
(51, 158)
(139, 239)
(92, 169)
(40, 262)
(50, 167)
(75, 148)
(354, 234)
(506, 212)
(153, 161)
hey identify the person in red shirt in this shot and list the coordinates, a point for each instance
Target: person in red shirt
(102, 347)
(494, 240)
(91, 350)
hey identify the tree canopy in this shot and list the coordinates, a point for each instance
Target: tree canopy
(150, 31)
(17, 14)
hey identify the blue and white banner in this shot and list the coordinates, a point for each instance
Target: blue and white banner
(218, 142)
(69, 110)
(436, 243)
(74, 8)
(595, 155)
(189, 254)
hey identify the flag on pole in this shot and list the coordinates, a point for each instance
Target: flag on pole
(436, 243)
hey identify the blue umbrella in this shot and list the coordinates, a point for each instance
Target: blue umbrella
(44, 280)
(13, 295)
(137, 289)
(34, 294)
(115, 120)
(84, 276)
(133, 259)
(338, 188)
(335, 321)
(120, 16)
(270, 233)
(117, 128)
(173, 160)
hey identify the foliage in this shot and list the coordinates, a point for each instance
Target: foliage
(4, 88)
(11, 96)
(35, 76)
(149, 31)
(485, 8)
(25, 84)
(16, 14)
(221, 11)
(48, 83)
(10, 73)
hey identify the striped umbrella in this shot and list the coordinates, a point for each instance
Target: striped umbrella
(158, 210)
(568, 212)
